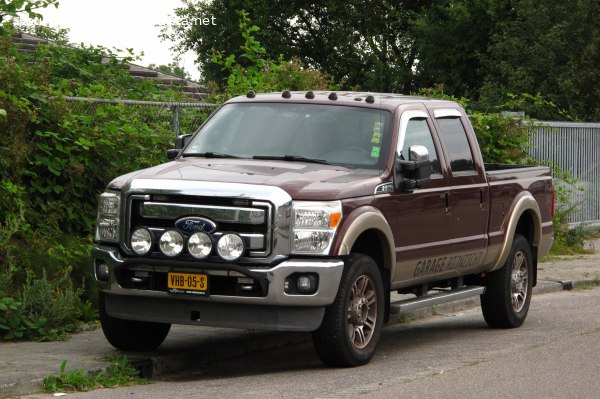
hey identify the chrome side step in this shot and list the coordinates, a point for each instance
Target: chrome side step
(406, 305)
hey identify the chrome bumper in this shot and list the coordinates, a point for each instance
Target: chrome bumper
(328, 270)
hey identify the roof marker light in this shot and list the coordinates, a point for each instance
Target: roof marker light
(370, 99)
(251, 94)
(286, 94)
(310, 95)
(333, 96)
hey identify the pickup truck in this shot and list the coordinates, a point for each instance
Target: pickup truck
(304, 211)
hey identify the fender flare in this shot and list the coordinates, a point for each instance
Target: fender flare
(357, 222)
(523, 202)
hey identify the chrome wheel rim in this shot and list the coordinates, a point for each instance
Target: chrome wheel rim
(519, 281)
(362, 312)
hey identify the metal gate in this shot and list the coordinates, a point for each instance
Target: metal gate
(575, 148)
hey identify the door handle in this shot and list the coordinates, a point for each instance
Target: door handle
(447, 201)
(481, 200)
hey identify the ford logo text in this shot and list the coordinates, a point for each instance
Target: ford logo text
(194, 224)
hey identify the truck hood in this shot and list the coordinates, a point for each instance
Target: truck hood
(303, 181)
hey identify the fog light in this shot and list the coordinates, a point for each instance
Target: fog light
(230, 247)
(199, 245)
(171, 243)
(306, 283)
(141, 241)
(102, 271)
(301, 284)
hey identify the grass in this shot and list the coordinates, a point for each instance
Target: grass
(588, 285)
(119, 373)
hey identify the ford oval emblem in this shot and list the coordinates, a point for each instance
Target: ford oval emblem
(194, 224)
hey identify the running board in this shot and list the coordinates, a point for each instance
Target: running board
(425, 301)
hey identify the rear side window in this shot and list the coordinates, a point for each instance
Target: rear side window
(454, 136)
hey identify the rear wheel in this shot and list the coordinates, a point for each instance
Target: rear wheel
(131, 335)
(352, 325)
(508, 291)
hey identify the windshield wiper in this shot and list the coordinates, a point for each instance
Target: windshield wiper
(291, 158)
(210, 154)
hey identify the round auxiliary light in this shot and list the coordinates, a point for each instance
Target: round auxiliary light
(141, 241)
(199, 245)
(230, 247)
(171, 243)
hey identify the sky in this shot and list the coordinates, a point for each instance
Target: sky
(121, 24)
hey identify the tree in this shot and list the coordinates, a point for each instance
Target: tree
(12, 8)
(261, 73)
(548, 47)
(171, 69)
(363, 44)
(451, 38)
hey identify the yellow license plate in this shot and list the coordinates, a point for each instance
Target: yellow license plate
(187, 283)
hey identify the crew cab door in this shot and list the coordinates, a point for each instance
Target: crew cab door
(423, 227)
(469, 189)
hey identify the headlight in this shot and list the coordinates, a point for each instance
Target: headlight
(107, 222)
(141, 241)
(199, 245)
(171, 243)
(230, 247)
(315, 224)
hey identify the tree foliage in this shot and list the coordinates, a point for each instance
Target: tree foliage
(173, 69)
(480, 49)
(548, 47)
(359, 43)
(260, 73)
(13, 8)
(55, 159)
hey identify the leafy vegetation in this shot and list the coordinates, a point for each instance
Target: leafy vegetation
(119, 373)
(55, 158)
(252, 70)
(479, 49)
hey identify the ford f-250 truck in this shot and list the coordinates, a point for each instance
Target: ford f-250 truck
(303, 211)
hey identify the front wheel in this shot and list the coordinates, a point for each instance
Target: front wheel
(131, 335)
(508, 291)
(351, 327)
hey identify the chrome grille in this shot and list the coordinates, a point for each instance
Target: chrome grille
(252, 220)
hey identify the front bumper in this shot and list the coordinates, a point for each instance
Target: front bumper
(277, 310)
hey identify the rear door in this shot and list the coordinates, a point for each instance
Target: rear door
(469, 190)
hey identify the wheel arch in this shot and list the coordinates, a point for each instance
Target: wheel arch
(367, 231)
(525, 219)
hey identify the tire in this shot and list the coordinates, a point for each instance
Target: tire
(131, 335)
(351, 327)
(508, 290)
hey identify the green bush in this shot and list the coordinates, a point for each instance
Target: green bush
(56, 157)
(255, 71)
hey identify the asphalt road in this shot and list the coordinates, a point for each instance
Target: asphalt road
(555, 354)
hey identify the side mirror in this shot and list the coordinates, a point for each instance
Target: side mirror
(180, 143)
(415, 172)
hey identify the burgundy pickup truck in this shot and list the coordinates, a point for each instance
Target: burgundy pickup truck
(302, 212)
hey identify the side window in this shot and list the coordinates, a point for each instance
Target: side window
(454, 136)
(418, 133)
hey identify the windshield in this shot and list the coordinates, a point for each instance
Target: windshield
(350, 136)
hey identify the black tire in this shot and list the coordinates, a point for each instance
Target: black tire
(508, 290)
(351, 327)
(131, 335)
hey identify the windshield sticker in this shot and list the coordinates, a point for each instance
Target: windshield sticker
(375, 151)
(376, 133)
(376, 139)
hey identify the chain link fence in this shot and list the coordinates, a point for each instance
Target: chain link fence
(184, 117)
